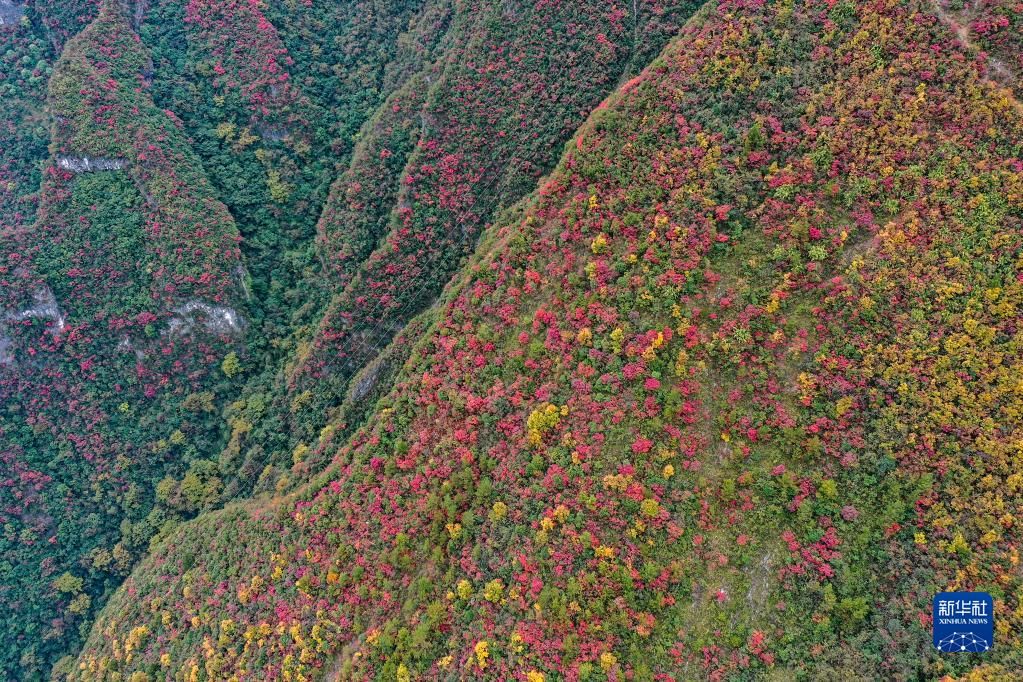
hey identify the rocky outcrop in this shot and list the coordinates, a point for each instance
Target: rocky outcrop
(192, 316)
(6, 356)
(10, 13)
(85, 164)
(271, 133)
(197, 314)
(44, 306)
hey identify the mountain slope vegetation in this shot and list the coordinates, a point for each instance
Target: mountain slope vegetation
(731, 395)
(130, 259)
(165, 168)
(477, 138)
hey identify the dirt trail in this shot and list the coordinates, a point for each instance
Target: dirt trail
(999, 74)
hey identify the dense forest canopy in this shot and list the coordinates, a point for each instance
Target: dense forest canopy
(513, 340)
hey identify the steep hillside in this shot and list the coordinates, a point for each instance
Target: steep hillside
(996, 28)
(162, 289)
(732, 395)
(25, 68)
(452, 149)
(495, 117)
(61, 20)
(117, 303)
(271, 97)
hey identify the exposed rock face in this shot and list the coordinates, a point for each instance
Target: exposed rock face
(273, 133)
(44, 306)
(189, 317)
(84, 164)
(10, 13)
(366, 381)
(199, 314)
(6, 357)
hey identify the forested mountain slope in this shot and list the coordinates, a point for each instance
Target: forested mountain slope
(113, 302)
(452, 148)
(731, 395)
(994, 27)
(167, 167)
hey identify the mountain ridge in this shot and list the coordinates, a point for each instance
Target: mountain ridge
(437, 340)
(440, 541)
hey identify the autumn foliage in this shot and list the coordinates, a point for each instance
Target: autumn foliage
(732, 393)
